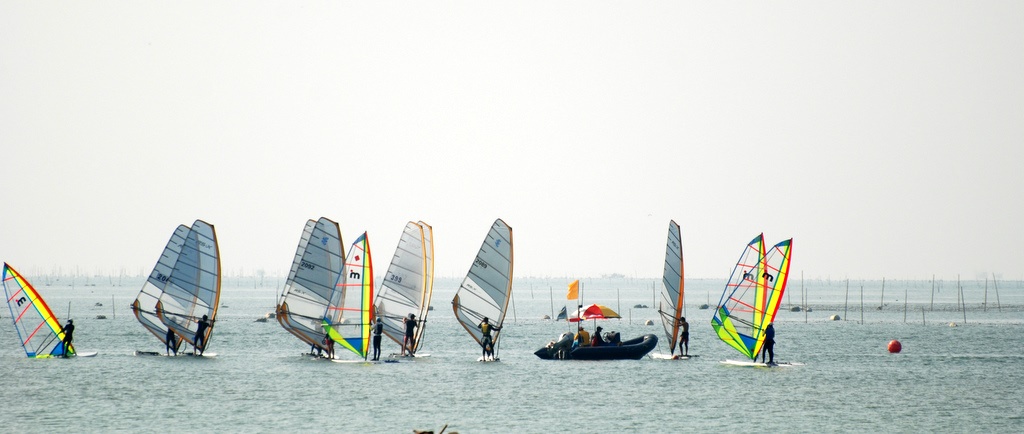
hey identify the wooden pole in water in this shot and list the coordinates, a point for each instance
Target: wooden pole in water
(932, 306)
(846, 304)
(905, 292)
(995, 284)
(551, 298)
(984, 304)
(113, 312)
(805, 295)
(958, 305)
(514, 319)
(922, 317)
(963, 302)
(618, 300)
(883, 301)
(862, 304)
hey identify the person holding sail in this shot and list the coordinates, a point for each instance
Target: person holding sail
(69, 332)
(200, 336)
(410, 332)
(684, 336)
(378, 329)
(170, 342)
(769, 344)
(486, 342)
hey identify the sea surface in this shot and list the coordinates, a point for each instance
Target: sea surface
(965, 377)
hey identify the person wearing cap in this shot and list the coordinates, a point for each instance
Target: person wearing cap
(69, 332)
(378, 329)
(487, 343)
(200, 335)
(769, 344)
(410, 330)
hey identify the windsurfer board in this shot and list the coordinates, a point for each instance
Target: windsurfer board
(481, 359)
(760, 365)
(159, 354)
(661, 356)
(361, 362)
(401, 357)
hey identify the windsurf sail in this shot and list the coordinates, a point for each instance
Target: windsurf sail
(671, 307)
(348, 317)
(487, 288)
(39, 331)
(752, 295)
(145, 303)
(193, 287)
(312, 281)
(408, 284)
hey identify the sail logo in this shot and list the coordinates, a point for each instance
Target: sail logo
(480, 263)
(497, 243)
(354, 275)
(307, 265)
(323, 241)
(21, 300)
(161, 277)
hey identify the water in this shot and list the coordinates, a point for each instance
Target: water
(947, 379)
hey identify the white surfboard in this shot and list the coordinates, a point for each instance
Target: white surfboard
(481, 359)
(749, 363)
(86, 353)
(412, 357)
(662, 356)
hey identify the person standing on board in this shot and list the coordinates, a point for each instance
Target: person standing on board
(487, 343)
(378, 329)
(684, 337)
(410, 331)
(69, 332)
(170, 342)
(200, 336)
(769, 344)
(329, 346)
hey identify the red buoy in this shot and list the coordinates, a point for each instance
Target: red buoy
(895, 346)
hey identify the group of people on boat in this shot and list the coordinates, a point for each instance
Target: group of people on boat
(583, 338)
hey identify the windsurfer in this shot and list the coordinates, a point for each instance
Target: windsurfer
(410, 330)
(488, 345)
(684, 337)
(200, 335)
(329, 345)
(378, 329)
(171, 342)
(769, 344)
(69, 331)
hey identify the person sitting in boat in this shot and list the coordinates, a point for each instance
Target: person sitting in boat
(582, 338)
(200, 336)
(410, 331)
(488, 345)
(597, 341)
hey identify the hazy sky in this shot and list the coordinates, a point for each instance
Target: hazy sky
(885, 137)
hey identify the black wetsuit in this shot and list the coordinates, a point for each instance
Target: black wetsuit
(377, 330)
(200, 336)
(684, 338)
(769, 344)
(171, 341)
(486, 342)
(410, 330)
(69, 331)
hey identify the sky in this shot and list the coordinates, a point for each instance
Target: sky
(885, 138)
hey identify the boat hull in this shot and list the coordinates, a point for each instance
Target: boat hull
(633, 349)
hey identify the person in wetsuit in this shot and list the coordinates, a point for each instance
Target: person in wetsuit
(200, 335)
(684, 336)
(378, 329)
(769, 344)
(171, 342)
(410, 331)
(487, 343)
(69, 332)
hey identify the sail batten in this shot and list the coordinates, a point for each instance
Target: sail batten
(487, 288)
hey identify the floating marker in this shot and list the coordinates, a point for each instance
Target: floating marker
(895, 346)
